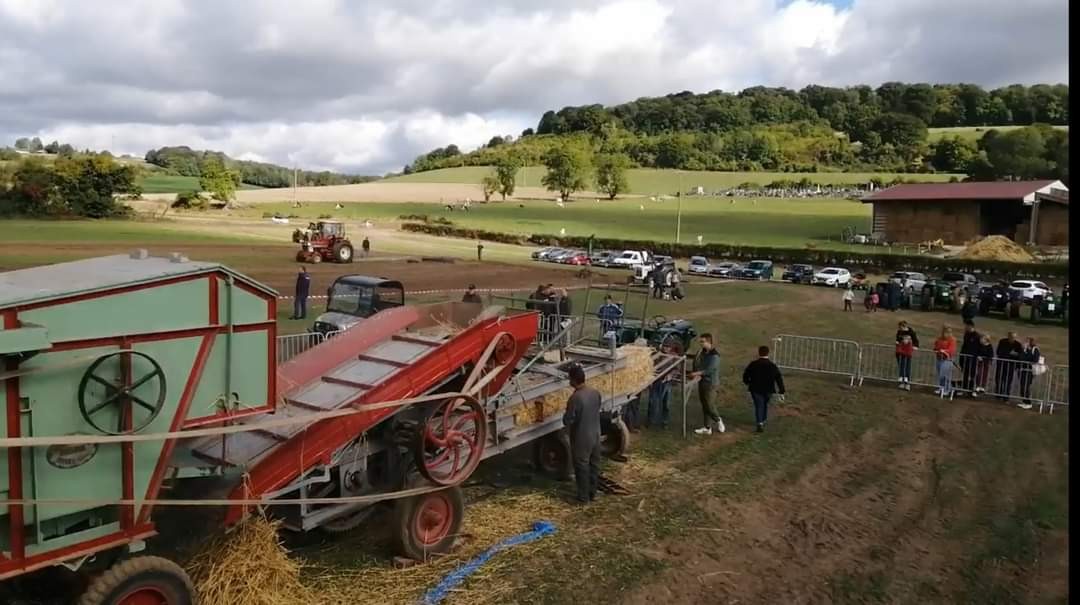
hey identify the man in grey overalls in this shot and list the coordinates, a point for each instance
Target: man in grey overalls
(582, 421)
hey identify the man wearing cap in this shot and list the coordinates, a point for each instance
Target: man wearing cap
(582, 421)
(471, 295)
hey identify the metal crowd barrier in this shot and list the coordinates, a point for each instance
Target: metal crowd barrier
(818, 355)
(1013, 381)
(291, 345)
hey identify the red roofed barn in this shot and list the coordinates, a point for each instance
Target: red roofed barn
(1025, 211)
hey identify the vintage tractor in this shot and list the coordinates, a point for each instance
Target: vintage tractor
(936, 295)
(671, 336)
(325, 240)
(1051, 309)
(998, 298)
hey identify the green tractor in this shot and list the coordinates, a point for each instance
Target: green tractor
(1051, 309)
(936, 295)
(673, 336)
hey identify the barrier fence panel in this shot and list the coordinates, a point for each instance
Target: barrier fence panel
(1005, 379)
(818, 355)
(1057, 391)
(291, 345)
(879, 362)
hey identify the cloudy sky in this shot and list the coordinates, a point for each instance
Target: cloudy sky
(365, 86)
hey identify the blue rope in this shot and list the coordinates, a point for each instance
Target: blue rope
(456, 577)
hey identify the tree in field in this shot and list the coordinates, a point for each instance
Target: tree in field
(22, 144)
(218, 179)
(489, 184)
(506, 175)
(568, 169)
(953, 154)
(611, 174)
(36, 146)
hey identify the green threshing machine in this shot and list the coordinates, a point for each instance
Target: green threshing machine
(135, 381)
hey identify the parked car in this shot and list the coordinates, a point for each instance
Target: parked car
(537, 254)
(699, 265)
(602, 258)
(1028, 289)
(629, 258)
(578, 257)
(725, 269)
(643, 274)
(798, 274)
(963, 280)
(561, 255)
(834, 277)
(757, 269)
(546, 254)
(911, 280)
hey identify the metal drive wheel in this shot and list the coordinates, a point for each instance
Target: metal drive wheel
(141, 581)
(551, 455)
(505, 349)
(135, 412)
(451, 440)
(428, 524)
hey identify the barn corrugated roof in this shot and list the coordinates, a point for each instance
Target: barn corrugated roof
(61, 280)
(989, 190)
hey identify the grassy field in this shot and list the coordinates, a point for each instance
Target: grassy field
(764, 222)
(972, 133)
(649, 181)
(155, 182)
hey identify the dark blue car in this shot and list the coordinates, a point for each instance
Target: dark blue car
(757, 269)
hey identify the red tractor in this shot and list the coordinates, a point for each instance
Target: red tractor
(325, 240)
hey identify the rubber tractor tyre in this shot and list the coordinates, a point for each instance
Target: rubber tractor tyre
(141, 580)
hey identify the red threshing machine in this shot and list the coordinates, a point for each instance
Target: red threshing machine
(325, 240)
(128, 379)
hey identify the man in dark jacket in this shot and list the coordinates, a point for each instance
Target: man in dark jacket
(969, 348)
(582, 421)
(471, 295)
(763, 379)
(968, 311)
(902, 330)
(366, 247)
(1009, 351)
(303, 288)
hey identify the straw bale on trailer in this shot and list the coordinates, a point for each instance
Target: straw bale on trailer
(635, 375)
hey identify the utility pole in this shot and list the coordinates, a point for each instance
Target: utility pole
(678, 215)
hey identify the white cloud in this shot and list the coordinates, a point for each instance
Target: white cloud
(368, 86)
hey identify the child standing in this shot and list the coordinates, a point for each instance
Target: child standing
(984, 357)
(905, 349)
(945, 351)
(874, 301)
(849, 296)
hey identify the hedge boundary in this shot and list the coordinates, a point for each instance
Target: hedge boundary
(871, 262)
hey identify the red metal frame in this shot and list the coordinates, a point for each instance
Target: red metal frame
(318, 442)
(132, 529)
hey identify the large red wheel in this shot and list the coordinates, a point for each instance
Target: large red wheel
(451, 441)
(428, 524)
(141, 581)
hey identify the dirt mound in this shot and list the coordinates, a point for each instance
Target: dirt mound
(997, 247)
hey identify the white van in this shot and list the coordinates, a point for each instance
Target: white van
(629, 258)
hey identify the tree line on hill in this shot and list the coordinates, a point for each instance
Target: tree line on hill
(813, 130)
(184, 161)
(85, 185)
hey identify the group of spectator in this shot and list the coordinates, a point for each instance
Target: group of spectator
(974, 357)
(554, 306)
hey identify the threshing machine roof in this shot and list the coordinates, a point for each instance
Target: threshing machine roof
(38, 284)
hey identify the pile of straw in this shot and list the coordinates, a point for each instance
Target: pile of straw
(633, 377)
(250, 566)
(997, 247)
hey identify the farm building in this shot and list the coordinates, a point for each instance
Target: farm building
(1025, 211)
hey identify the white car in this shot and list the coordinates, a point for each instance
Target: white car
(699, 265)
(1028, 289)
(629, 258)
(914, 281)
(832, 276)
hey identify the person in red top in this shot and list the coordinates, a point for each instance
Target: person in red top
(905, 349)
(875, 300)
(945, 351)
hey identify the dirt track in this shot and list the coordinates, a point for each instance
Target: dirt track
(377, 192)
